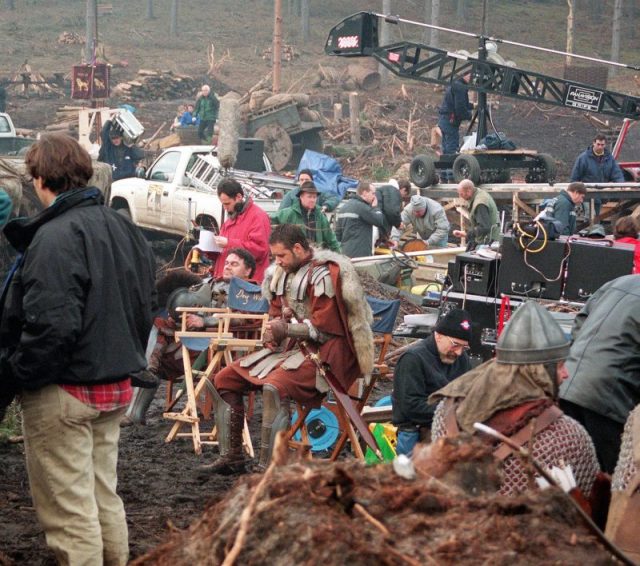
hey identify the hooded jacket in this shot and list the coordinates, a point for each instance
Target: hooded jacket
(323, 235)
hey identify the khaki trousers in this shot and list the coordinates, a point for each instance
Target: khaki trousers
(72, 455)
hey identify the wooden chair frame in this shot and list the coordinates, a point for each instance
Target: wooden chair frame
(222, 343)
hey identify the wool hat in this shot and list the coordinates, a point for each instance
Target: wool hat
(418, 203)
(456, 324)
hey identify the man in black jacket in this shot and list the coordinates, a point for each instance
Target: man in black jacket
(454, 109)
(423, 369)
(74, 320)
(356, 220)
(122, 158)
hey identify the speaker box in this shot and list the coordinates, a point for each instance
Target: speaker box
(249, 157)
(473, 274)
(527, 274)
(593, 265)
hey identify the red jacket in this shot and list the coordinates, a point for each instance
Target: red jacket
(249, 230)
(636, 255)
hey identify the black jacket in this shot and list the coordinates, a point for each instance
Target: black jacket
(122, 158)
(455, 104)
(354, 228)
(562, 209)
(390, 203)
(78, 305)
(604, 361)
(419, 373)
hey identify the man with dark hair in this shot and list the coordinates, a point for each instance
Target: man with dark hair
(326, 201)
(423, 369)
(596, 165)
(122, 158)
(356, 220)
(75, 317)
(306, 213)
(248, 227)
(454, 109)
(562, 209)
(164, 353)
(404, 186)
(316, 297)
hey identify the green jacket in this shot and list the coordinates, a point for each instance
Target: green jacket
(207, 107)
(485, 227)
(324, 236)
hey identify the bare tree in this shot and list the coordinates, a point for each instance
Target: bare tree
(304, 20)
(150, 10)
(435, 21)
(570, 30)
(615, 36)
(385, 38)
(91, 30)
(426, 34)
(173, 19)
(461, 9)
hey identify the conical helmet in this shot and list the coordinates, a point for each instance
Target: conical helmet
(532, 336)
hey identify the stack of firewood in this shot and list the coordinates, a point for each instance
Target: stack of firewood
(66, 120)
(157, 85)
(27, 82)
(71, 38)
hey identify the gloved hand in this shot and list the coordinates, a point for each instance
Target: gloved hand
(278, 330)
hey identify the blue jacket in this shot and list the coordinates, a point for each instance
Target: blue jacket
(562, 209)
(589, 168)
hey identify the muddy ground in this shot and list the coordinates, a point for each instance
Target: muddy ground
(160, 485)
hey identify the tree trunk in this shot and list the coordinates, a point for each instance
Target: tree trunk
(149, 9)
(461, 9)
(173, 19)
(304, 17)
(385, 39)
(426, 34)
(435, 21)
(91, 31)
(615, 36)
(570, 30)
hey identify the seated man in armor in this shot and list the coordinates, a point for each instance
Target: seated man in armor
(164, 353)
(315, 298)
(517, 388)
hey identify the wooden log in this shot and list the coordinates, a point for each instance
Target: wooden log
(367, 79)
(354, 117)
(337, 112)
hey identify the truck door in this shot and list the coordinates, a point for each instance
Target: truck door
(161, 189)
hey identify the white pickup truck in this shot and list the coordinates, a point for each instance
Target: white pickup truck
(11, 144)
(180, 188)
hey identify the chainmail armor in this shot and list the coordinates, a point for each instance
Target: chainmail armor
(626, 468)
(563, 441)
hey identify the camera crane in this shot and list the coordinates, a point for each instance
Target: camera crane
(358, 36)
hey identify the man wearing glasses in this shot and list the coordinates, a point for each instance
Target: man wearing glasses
(427, 366)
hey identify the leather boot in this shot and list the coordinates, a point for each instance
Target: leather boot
(229, 425)
(275, 417)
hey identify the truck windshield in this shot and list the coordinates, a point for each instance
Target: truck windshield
(4, 125)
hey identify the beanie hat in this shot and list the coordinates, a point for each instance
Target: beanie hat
(418, 203)
(456, 324)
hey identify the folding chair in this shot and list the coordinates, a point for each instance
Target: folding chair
(221, 343)
(384, 316)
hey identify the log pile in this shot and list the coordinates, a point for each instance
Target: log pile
(66, 120)
(28, 83)
(354, 77)
(71, 38)
(348, 513)
(289, 53)
(156, 85)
